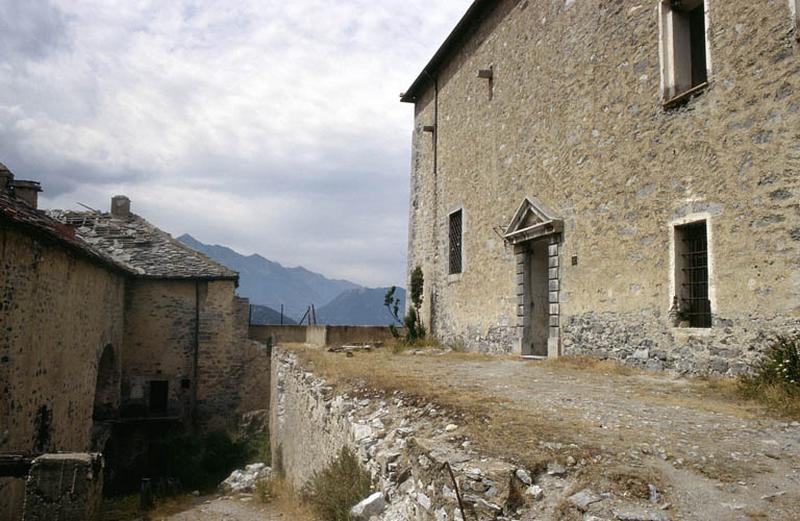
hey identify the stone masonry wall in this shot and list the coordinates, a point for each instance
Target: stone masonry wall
(160, 334)
(226, 356)
(64, 487)
(575, 119)
(58, 313)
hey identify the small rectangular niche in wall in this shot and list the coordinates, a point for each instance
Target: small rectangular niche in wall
(691, 274)
(456, 242)
(159, 396)
(684, 58)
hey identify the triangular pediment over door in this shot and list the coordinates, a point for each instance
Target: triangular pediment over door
(532, 220)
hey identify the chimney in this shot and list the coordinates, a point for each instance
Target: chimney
(28, 192)
(120, 207)
(6, 178)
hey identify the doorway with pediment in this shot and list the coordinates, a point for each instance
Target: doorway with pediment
(535, 233)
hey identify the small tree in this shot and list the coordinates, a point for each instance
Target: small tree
(415, 330)
(392, 304)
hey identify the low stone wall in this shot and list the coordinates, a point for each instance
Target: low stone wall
(317, 336)
(731, 347)
(341, 335)
(66, 487)
(279, 334)
(320, 336)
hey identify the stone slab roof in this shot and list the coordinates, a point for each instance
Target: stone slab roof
(16, 212)
(142, 248)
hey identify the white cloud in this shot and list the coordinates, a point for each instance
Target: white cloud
(272, 127)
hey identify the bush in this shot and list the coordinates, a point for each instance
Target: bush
(781, 365)
(776, 380)
(333, 491)
(198, 462)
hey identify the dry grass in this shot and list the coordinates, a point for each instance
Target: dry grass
(494, 424)
(778, 399)
(736, 396)
(126, 508)
(334, 490)
(278, 492)
(588, 363)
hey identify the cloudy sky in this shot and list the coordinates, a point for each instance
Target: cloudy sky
(268, 126)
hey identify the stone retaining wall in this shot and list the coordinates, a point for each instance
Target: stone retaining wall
(403, 447)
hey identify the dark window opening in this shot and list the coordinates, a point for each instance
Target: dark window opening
(159, 396)
(456, 239)
(43, 426)
(697, 37)
(691, 243)
(186, 383)
(685, 37)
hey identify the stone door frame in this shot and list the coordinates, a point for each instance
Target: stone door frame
(534, 221)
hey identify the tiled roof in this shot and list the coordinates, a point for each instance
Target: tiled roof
(141, 247)
(19, 213)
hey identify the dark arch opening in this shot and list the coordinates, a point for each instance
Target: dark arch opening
(105, 393)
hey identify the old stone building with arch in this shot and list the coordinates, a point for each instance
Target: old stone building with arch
(109, 327)
(611, 177)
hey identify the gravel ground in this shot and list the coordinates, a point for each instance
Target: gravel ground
(243, 508)
(719, 460)
(715, 457)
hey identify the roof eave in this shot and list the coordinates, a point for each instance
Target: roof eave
(455, 39)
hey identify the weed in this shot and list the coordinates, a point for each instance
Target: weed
(776, 380)
(259, 448)
(126, 508)
(278, 492)
(333, 491)
(588, 363)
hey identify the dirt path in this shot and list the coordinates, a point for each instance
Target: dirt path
(713, 457)
(231, 509)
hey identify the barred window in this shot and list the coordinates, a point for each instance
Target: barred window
(456, 241)
(691, 247)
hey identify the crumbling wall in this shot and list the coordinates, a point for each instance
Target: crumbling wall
(58, 313)
(575, 119)
(404, 447)
(66, 487)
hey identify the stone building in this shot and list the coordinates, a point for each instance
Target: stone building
(110, 326)
(611, 177)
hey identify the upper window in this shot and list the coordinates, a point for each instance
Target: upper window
(684, 61)
(456, 233)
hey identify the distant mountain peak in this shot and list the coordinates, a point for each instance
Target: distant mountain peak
(268, 283)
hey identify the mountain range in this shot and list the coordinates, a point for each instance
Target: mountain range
(269, 285)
